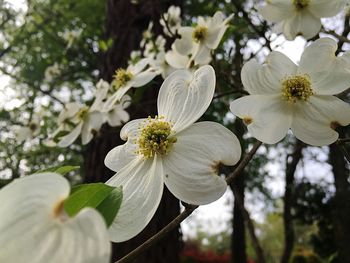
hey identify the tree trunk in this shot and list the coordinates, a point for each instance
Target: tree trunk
(341, 213)
(238, 241)
(125, 24)
(288, 201)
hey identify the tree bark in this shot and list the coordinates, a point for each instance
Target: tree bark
(341, 213)
(238, 239)
(288, 201)
(125, 24)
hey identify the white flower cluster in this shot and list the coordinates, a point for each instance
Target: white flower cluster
(79, 119)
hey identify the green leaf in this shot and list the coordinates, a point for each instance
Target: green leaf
(62, 170)
(86, 195)
(110, 206)
(104, 198)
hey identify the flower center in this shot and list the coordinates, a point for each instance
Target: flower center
(297, 88)
(154, 138)
(33, 126)
(81, 114)
(121, 77)
(300, 4)
(199, 33)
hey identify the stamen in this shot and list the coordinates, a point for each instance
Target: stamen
(300, 4)
(121, 77)
(296, 88)
(199, 33)
(155, 138)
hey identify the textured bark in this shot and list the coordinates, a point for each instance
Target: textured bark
(125, 24)
(288, 201)
(238, 245)
(341, 213)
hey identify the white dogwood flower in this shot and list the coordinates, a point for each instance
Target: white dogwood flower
(300, 17)
(34, 227)
(201, 39)
(284, 95)
(30, 131)
(173, 150)
(86, 121)
(134, 76)
(171, 20)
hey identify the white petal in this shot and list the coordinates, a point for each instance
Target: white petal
(132, 129)
(313, 120)
(142, 182)
(176, 60)
(100, 95)
(214, 37)
(302, 23)
(267, 79)
(70, 109)
(191, 165)
(117, 116)
(326, 8)
(120, 156)
(142, 79)
(140, 65)
(201, 54)
(268, 117)
(318, 57)
(276, 12)
(71, 137)
(33, 228)
(184, 97)
(184, 44)
(92, 124)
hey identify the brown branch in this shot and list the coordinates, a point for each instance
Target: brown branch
(251, 229)
(288, 199)
(188, 211)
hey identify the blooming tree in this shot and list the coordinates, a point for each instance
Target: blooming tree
(186, 65)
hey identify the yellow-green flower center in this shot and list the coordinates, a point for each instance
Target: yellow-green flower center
(297, 87)
(300, 4)
(121, 77)
(199, 33)
(155, 138)
(81, 114)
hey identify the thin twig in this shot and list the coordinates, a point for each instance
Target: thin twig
(188, 211)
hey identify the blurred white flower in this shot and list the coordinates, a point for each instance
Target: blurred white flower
(201, 39)
(86, 121)
(300, 17)
(125, 79)
(152, 48)
(178, 61)
(147, 35)
(284, 95)
(116, 115)
(173, 150)
(71, 35)
(161, 66)
(51, 72)
(171, 21)
(34, 227)
(135, 56)
(30, 131)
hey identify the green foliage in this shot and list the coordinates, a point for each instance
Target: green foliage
(104, 198)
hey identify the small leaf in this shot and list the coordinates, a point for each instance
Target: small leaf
(62, 170)
(110, 206)
(86, 195)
